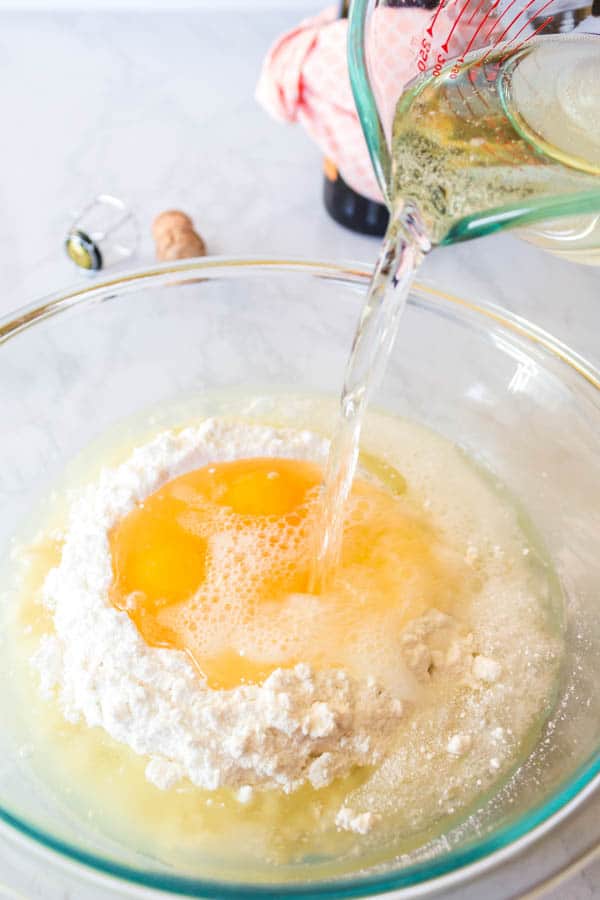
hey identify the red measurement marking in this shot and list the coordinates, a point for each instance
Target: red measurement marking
(475, 11)
(424, 51)
(499, 40)
(472, 76)
(481, 24)
(527, 22)
(509, 47)
(501, 16)
(434, 20)
(520, 31)
(465, 102)
(439, 64)
(537, 30)
(455, 23)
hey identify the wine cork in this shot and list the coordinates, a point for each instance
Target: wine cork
(175, 238)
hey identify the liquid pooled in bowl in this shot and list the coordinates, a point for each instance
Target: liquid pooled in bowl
(226, 700)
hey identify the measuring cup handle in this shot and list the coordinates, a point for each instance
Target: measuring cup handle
(364, 98)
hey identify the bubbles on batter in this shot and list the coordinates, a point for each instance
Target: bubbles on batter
(217, 564)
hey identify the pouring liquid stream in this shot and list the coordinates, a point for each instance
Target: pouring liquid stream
(482, 137)
(403, 250)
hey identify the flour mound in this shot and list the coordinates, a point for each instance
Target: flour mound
(298, 726)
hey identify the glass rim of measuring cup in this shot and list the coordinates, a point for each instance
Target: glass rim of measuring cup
(524, 213)
(454, 868)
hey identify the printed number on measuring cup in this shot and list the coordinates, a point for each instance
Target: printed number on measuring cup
(455, 71)
(441, 59)
(423, 55)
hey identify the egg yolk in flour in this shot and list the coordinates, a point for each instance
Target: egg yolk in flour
(216, 563)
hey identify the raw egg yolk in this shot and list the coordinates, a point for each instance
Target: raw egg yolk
(217, 562)
(160, 549)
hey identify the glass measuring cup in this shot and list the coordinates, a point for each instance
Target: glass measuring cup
(465, 49)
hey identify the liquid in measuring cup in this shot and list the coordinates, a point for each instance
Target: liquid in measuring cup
(471, 145)
(497, 130)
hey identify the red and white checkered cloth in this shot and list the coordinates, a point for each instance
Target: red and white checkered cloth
(305, 79)
(305, 74)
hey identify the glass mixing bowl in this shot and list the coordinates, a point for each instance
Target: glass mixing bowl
(521, 403)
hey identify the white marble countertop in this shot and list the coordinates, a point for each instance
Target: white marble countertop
(158, 109)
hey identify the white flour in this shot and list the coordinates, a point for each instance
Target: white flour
(301, 725)
(298, 726)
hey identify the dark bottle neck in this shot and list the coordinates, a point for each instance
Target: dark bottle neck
(352, 210)
(344, 204)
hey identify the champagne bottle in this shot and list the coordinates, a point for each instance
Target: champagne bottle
(345, 205)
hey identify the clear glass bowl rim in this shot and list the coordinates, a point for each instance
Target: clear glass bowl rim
(454, 867)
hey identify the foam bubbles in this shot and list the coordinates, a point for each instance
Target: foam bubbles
(247, 610)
